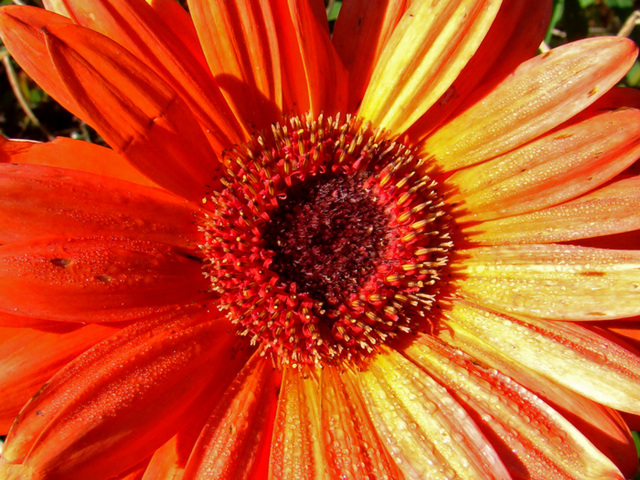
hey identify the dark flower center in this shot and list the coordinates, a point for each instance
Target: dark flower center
(325, 239)
(327, 235)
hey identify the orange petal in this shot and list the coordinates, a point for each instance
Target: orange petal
(137, 27)
(426, 430)
(21, 32)
(29, 357)
(353, 447)
(542, 441)
(514, 37)
(115, 404)
(138, 114)
(96, 279)
(296, 447)
(429, 47)
(174, 16)
(134, 473)
(238, 433)
(314, 79)
(612, 209)
(541, 94)
(241, 46)
(38, 201)
(359, 35)
(557, 282)
(557, 167)
(169, 460)
(563, 352)
(74, 154)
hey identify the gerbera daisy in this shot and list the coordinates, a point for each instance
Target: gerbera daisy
(406, 250)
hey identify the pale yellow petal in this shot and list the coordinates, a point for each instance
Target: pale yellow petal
(558, 282)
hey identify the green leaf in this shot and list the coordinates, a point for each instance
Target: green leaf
(333, 12)
(633, 77)
(556, 16)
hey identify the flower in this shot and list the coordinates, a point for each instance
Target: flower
(406, 250)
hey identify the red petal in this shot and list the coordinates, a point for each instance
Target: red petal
(74, 154)
(28, 358)
(39, 202)
(137, 113)
(179, 21)
(627, 329)
(170, 460)
(241, 45)
(239, 430)
(118, 402)
(97, 279)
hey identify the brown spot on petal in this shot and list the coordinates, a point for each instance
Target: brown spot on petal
(593, 274)
(60, 262)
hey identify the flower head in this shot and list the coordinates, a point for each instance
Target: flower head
(404, 250)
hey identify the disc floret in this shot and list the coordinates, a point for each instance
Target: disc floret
(326, 240)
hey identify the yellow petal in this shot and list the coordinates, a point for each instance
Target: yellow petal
(353, 447)
(359, 35)
(297, 449)
(552, 169)
(558, 282)
(539, 95)
(432, 43)
(606, 211)
(541, 438)
(564, 352)
(428, 433)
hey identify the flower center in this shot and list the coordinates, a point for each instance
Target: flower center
(326, 237)
(326, 240)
